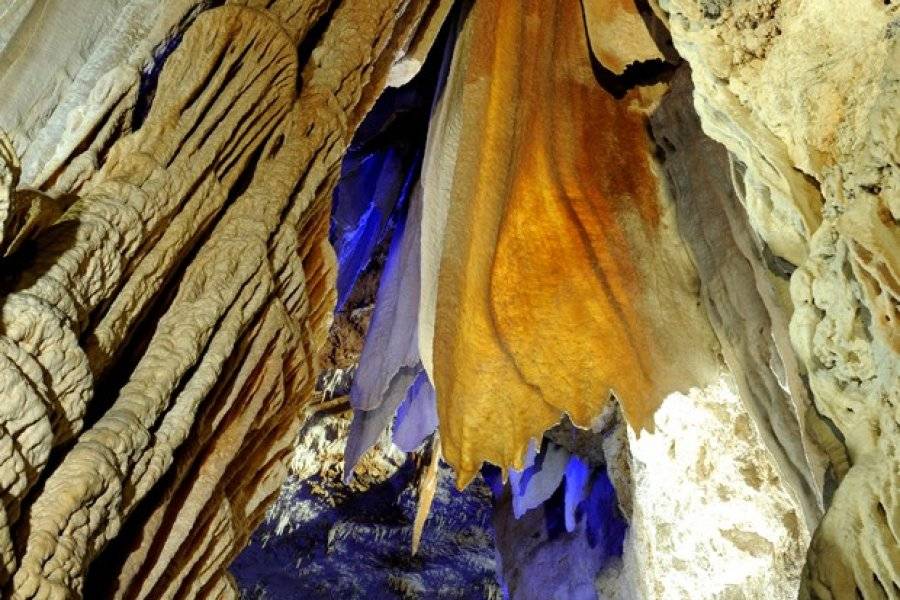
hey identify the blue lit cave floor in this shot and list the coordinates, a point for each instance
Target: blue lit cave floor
(360, 548)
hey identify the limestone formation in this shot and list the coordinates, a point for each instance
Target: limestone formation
(704, 486)
(618, 35)
(691, 259)
(743, 300)
(539, 234)
(805, 96)
(171, 315)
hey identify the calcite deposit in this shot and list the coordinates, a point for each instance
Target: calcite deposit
(230, 259)
(163, 329)
(541, 234)
(704, 486)
(805, 96)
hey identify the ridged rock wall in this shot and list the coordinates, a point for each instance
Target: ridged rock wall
(166, 304)
(805, 96)
(742, 293)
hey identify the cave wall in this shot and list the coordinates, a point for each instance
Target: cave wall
(164, 304)
(805, 98)
(167, 283)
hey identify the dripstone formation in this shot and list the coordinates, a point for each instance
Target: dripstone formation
(161, 316)
(670, 224)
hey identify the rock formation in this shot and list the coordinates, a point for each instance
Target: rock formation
(671, 224)
(163, 330)
(516, 196)
(805, 97)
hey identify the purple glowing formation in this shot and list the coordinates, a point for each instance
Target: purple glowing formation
(390, 363)
(383, 178)
(569, 490)
(539, 481)
(583, 528)
(378, 174)
(577, 473)
(417, 416)
(378, 194)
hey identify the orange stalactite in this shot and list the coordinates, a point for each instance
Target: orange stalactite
(552, 242)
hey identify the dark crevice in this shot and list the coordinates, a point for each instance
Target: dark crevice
(635, 75)
(780, 267)
(880, 586)
(203, 87)
(150, 76)
(311, 41)
(150, 80)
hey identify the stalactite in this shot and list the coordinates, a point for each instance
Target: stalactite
(538, 235)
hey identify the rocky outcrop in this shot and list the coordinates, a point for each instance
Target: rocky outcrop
(745, 300)
(805, 97)
(169, 319)
(712, 517)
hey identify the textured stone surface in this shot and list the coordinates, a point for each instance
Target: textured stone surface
(812, 122)
(72, 73)
(171, 315)
(711, 518)
(745, 299)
